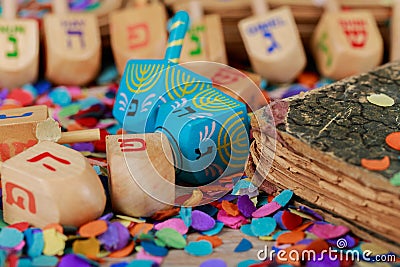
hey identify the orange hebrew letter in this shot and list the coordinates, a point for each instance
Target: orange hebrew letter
(45, 155)
(138, 35)
(20, 195)
(136, 144)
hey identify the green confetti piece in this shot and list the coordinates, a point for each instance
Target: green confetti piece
(160, 243)
(69, 110)
(395, 180)
(171, 238)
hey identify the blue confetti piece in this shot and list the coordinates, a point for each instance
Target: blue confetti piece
(109, 74)
(243, 246)
(3, 257)
(31, 89)
(120, 264)
(246, 229)
(284, 197)
(247, 263)
(44, 261)
(24, 262)
(60, 96)
(42, 86)
(209, 209)
(10, 237)
(153, 249)
(199, 248)
(185, 214)
(34, 242)
(88, 102)
(278, 218)
(215, 230)
(244, 187)
(263, 226)
(142, 263)
(213, 263)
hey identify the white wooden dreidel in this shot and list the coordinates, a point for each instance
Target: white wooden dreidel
(395, 32)
(346, 43)
(20, 129)
(19, 47)
(273, 43)
(138, 33)
(50, 183)
(205, 39)
(142, 174)
(73, 46)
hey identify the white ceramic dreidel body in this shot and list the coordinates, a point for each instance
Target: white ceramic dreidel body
(142, 175)
(138, 33)
(73, 47)
(50, 183)
(19, 48)
(346, 43)
(273, 44)
(395, 32)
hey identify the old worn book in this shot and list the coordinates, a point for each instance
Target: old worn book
(337, 148)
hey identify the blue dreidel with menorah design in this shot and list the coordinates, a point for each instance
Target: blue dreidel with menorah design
(208, 135)
(146, 84)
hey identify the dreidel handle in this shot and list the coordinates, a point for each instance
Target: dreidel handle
(10, 8)
(60, 7)
(259, 7)
(332, 6)
(395, 31)
(177, 32)
(196, 11)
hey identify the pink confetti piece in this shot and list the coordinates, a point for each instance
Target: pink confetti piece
(231, 221)
(266, 210)
(328, 231)
(174, 223)
(143, 255)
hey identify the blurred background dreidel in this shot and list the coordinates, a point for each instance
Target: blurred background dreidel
(346, 43)
(50, 183)
(22, 128)
(73, 46)
(19, 47)
(142, 175)
(395, 31)
(205, 38)
(138, 32)
(273, 43)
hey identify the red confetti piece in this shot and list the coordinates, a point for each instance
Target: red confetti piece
(376, 164)
(21, 96)
(393, 140)
(291, 220)
(88, 122)
(21, 226)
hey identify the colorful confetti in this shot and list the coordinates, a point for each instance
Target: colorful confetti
(244, 245)
(376, 164)
(199, 248)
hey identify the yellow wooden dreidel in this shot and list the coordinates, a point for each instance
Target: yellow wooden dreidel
(19, 47)
(21, 128)
(395, 32)
(273, 43)
(205, 39)
(142, 174)
(50, 183)
(73, 46)
(138, 33)
(346, 43)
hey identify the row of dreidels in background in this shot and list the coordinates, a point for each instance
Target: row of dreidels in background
(344, 43)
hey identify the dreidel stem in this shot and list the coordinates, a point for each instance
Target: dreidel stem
(196, 11)
(60, 6)
(395, 31)
(259, 7)
(10, 9)
(179, 26)
(332, 6)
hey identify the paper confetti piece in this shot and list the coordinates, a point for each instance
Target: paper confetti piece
(376, 164)
(123, 252)
(34, 242)
(131, 219)
(202, 221)
(213, 263)
(73, 260)
(186, 215)
(199, 248)
(115, 237)
(246, 206)
(230, 208)
(89, 247)
(278, 218)
(58, 227)
(10, 237)
(290, 237)
(214, 240)
(246, 229)
(215, 230)
(171, 238)
(45, 261)
(245, 187)
(93, 229)
(143, 255)
(174, 223)
(328, 231)
(323, 260)
(263, 226)
(291, 221)
(141, 263)
(21, 226)
(233, 222)
(153, 249)
(54, 242)
(393, 140)
(381, 100)
(317, 246)
(266, 210)
(243, 246)
(284, 197)
(395, 180)
(139, 228)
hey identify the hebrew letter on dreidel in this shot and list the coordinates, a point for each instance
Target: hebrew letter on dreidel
(26, 114)
(274, 44)
(133, 144)
(78, 33)
(226, 76)
(355, 31)
(138, 35)
(45, 155)
(13, 53)
(195, 37)
(188, 109)
(21, 194)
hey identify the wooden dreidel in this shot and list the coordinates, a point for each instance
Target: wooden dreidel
(146, 84)
(138, 33)
(20, 129)
(395, 32)
(142, 175)
(346, 43)
(19, 47)
(205, 39)
(208, 134)
(50, 183)
(73, 46)
(273, 43)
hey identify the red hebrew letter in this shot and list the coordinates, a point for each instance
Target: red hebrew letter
(45, 155)
(21, 194)
(138, 35)
(20, 147)
(355, 31)
(5, 151)
(226, 76)
(136, 144)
